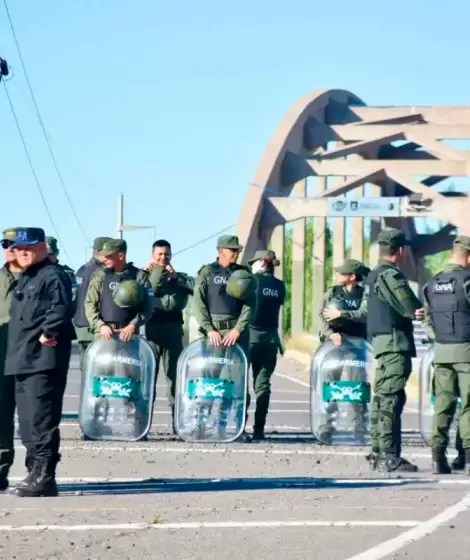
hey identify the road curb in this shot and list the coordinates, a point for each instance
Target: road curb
(303, 359)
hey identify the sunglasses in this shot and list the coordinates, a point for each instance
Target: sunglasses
(6, 243)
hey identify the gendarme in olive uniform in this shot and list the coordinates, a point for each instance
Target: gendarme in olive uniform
(8, 281)
(214, 309)
(447, 321)
(391, 306)
(83, 276)
(165, 327)
(349, 299)
(270, 296)
(100, 308)
(346, 297)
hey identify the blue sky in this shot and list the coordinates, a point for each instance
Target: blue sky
(173, 103)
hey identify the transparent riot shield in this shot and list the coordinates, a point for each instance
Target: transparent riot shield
(211, 392)
(118, 390)
(341, 392)
(427, 397)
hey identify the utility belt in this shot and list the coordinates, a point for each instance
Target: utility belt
(117, 326)
(221, 325)
(225, 324)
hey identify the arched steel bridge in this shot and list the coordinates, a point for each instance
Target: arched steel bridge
(333, 139)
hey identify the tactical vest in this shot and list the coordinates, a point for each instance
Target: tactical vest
(83, 276)
(218, 301)
(382, 317)
(109, 311)
(270, 295)
(448, 306)
(353, 301)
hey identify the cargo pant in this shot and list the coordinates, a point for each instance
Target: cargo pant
(451, 380)
(392, 373)
(263, 356)
(166, 340)
(7, 423)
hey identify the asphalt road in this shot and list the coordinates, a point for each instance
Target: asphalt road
(286, 498)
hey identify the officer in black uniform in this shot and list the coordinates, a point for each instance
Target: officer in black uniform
(264, 332)
(38, 355)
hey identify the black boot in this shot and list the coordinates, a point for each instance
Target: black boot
(41, 481)
(388, 463)
(458, 464)
(258, 433)
(439, 462)
(3, 482)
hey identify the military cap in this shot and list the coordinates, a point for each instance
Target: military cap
(352, 266)
(113, 246)
(229, 242)
(265, 255)
(25, 236)
(52, 246)
(98, 242)
(9, 234)
(462, 242)
(392, 237)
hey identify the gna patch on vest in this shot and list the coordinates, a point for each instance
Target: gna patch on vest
(333, 364)
(444, 287)
(352, 304)
(220, 280)
(269, 292)
(79, 280)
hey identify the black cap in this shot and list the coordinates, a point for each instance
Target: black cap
(28, 236)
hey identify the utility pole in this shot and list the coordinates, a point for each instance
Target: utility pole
(121, 227)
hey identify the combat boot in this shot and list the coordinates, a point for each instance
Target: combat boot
(439, 462)
(258, 433)
(458, 464)
(3, 482)
(388, 463)
(40, 483)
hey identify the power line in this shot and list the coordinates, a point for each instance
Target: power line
(33, 170)
(41, 123)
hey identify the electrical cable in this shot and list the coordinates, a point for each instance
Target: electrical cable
(41, 123)
(33, 170)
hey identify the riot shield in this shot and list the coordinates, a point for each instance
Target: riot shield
(118, 390)
(427, 397)
(211, 393)
(341, 392)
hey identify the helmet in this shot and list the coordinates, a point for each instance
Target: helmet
(336, 303)
(241, 284)
(129, 293)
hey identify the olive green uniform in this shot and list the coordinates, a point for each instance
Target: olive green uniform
(345, 325)
(265, 342)
(223, 324)
(393, 353)
(165, 328)
(8, 282)
(93, 295)
(451, 378)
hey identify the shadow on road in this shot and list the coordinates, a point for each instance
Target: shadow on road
(180, 485)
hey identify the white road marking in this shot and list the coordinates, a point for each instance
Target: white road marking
(204, 525)
(293, 379)
(97, 448)
(422, 530)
